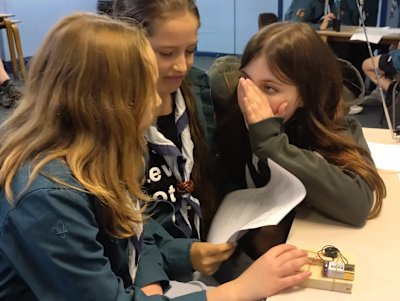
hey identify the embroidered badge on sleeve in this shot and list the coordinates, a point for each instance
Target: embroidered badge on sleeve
(301, 12)
(61, 229)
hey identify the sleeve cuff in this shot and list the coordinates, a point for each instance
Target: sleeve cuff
(261, 131)
(177, 259)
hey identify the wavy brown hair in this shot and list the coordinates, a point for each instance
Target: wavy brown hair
(298, 56)
(90, 91)
(145, 12)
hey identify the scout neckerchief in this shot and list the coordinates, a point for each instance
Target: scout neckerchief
(181, 164)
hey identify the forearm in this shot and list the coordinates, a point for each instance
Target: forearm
(226, 292)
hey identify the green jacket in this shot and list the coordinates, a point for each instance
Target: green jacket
(332, 190)
(199, 83)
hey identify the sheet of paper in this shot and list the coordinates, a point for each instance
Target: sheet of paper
(386, 156)
(374, 34)
(251, 208)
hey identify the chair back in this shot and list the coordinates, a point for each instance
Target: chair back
(265, 19)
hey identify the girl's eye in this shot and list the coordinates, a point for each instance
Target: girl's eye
(190, 51)
(268, 89)
(166, 53)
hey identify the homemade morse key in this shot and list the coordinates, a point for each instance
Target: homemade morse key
(331, 270)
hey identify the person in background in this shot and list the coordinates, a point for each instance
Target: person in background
(10, 94)
(71, 171)
(104, 7)
(297, 124)
(387, 66)
(265, 19)
(320, 13)
(350, 14)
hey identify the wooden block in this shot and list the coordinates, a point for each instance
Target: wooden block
(336, 271)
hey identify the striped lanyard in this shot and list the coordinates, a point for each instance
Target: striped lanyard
(327, 8)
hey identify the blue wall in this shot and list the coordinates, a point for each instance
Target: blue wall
(37, 17)
(226, 24)
(216, 33)
(246, 24)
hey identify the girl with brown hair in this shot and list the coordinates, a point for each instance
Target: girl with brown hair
(177, 169)
(291, 101)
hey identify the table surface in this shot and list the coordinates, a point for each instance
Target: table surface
(347, 31)
(6, 15)
(375, 247)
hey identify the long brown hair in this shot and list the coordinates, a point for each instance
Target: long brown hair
(297, 55)
(90, 91)
(145, 13)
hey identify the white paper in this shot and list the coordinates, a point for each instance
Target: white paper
(385, 156)
(251, 208)
(374, 34)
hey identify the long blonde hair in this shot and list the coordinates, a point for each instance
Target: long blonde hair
(89, 97)
(297, 55)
